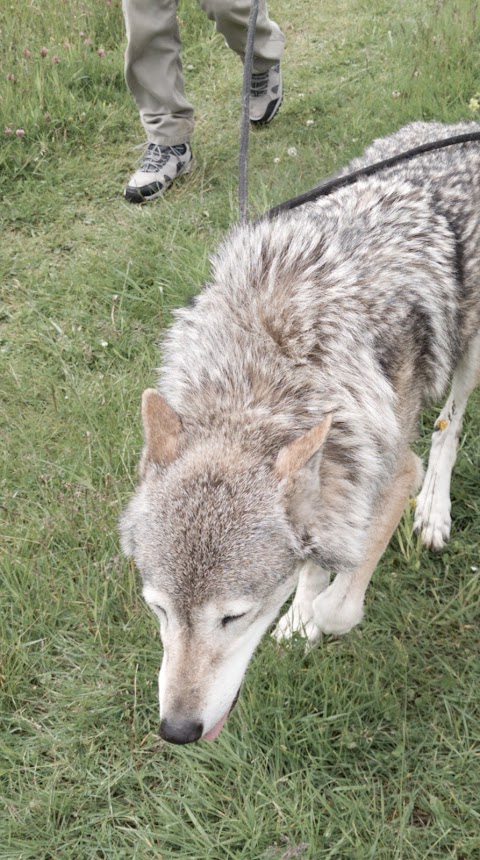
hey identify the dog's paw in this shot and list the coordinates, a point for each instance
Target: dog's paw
(336, 614)
(296, 620)
(432, 519)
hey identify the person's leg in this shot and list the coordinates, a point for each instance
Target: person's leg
(231, 20)
(153, 72)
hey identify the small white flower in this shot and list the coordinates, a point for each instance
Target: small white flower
(473, 568)
(190, 67)
(292, 151)
(310, 122)
(104, 343)
(276, 160)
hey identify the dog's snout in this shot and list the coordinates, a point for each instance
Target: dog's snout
(181, 731)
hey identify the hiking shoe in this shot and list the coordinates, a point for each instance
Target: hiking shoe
(160, 166)
(265, 95)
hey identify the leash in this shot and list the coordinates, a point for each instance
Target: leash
(245, 120)
(329, 185)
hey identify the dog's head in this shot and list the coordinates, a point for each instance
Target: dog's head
(214, 536)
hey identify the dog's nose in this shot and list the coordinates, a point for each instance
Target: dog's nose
(181, 731)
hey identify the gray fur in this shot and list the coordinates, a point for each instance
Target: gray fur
(359, 305)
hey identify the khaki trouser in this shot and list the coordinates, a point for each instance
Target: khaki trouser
(153, 65)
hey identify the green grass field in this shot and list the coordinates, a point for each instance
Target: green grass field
(367, 746)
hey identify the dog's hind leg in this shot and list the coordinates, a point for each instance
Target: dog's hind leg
(432, 512)
(340, 607)
(312, 580)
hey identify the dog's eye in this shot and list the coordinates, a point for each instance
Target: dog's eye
(159, 610)
(227, 619)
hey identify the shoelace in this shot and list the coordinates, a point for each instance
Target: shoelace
(156, 156)
(259, 84)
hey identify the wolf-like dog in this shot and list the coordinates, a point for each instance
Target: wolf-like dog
(277, 444)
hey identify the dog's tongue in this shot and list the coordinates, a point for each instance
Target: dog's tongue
(214, 733)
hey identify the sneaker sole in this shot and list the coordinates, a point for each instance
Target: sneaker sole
(268, 117)
(133, 195)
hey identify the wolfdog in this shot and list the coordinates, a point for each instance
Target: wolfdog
(277, 444)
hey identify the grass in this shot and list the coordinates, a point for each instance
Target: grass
(367, 746)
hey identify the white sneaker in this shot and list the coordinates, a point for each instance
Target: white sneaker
(265, 95)
(160, 166)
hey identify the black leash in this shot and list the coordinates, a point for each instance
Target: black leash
(329, 185)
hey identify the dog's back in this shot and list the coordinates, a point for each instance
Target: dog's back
(452, 178)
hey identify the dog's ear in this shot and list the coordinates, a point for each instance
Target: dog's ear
(162, 429)
(303, 453)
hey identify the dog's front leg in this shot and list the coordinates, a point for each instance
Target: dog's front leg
(340, 607)
(299, 618)
(432, 514)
